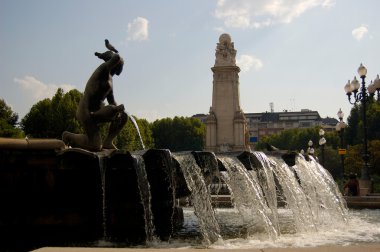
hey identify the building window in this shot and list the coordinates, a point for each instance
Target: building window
(305, 124)
(263, 125)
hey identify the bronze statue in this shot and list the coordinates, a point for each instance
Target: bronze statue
(92, 111)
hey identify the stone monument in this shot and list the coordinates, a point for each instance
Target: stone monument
(226, 128)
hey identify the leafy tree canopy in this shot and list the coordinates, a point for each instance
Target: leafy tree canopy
(179, 134)
(50, 117)
(8, 121)
(354, 133)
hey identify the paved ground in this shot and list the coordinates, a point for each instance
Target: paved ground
(354, 248)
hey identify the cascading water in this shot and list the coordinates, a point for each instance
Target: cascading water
(311, 194)
(248, 197)
(102, 168)
(324, 193)
(268, 185)
(200, 197)
(295, 197)
(146, 197)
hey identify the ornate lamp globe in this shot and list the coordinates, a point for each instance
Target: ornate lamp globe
(355, 85)
(340, 114)
(362, 71)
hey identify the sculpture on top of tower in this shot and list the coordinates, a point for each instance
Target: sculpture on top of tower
(225, 53)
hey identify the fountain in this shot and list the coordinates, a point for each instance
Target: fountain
(53, 195)
(95, 195)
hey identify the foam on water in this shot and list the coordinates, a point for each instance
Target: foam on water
(362, 227)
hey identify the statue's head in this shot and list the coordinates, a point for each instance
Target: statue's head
(118, 68)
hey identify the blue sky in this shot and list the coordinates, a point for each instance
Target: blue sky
(296, 54)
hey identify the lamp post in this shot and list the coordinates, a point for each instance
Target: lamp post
(363, 96)
(340, 128)
(310, 149)
(322, 142)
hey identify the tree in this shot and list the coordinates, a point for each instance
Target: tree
(291, 139)
(332, 160)
(179, 134)
(8, 121)
(50, 117)
(373, 121)
(7, 114)
(297, 139)
(354, 162)
(354, 131)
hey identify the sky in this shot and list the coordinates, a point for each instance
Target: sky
(296, 54)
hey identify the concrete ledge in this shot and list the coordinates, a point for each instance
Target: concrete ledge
(361, 202)
(31, 144)
(371, 247)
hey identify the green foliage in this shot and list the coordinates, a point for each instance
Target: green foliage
(376, 183)
(179, 134)
(373, 120)
(8, 122)
(291, 139)
(354, 162)
(332, 161)
(50, 117)
(6, 130)
(354, 133)
(7, 115)
(352, 129)
(297, 139)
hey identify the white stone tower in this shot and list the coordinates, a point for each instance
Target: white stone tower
(226, 128)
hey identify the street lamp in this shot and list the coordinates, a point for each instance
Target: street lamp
(340, 128)
(363, 96)
(322, 142)
(310, 149)
(374, 87)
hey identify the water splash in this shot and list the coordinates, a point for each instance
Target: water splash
(295, 197)
(137, 129)
(248, 197)
(268, 185)
(146, 197)
(200, 197)
(324, 194)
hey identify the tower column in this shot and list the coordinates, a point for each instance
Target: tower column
(226, 123)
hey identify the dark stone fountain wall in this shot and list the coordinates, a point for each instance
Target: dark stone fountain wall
(47, 196)
(51, 195)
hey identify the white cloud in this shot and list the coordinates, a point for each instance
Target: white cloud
(358, 33)
(39, 90)
(261, 13)
(247, 62)
(220, 29)
(138, 29)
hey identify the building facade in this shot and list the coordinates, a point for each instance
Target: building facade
(269, 123)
